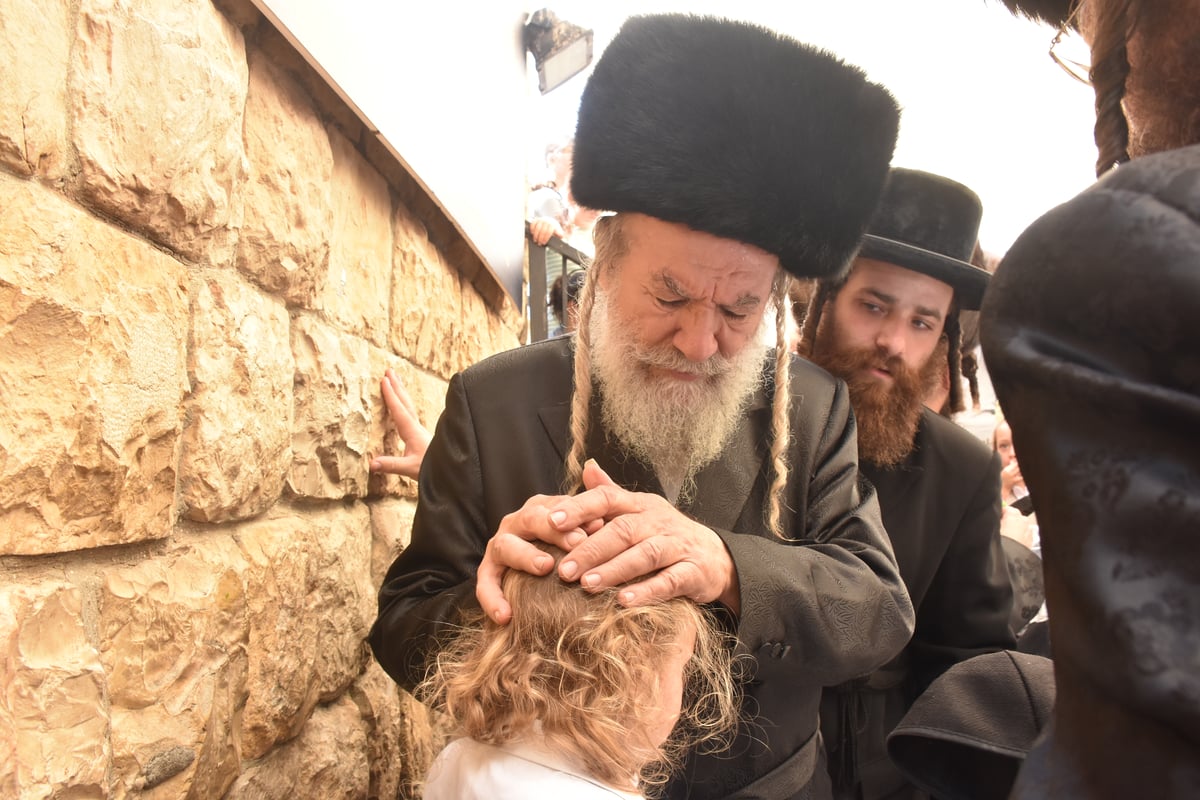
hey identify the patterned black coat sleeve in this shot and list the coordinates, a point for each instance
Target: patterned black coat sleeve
(829, 605)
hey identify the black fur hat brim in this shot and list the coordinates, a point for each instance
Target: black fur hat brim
(734, 130)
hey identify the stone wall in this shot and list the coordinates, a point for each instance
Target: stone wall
(206, 264)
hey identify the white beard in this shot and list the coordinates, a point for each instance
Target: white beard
(677, 427)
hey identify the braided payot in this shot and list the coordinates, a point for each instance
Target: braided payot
(1110, 69)
(581, 396)
(953, 333)
(780, 409)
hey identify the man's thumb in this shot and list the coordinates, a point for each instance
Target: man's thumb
(593, 476)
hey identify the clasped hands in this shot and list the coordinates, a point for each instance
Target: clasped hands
(612, 536)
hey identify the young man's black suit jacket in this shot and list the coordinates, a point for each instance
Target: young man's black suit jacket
(941, 508)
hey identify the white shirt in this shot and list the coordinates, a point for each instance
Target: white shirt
(470, 770)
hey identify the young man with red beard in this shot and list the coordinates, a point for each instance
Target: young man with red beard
(890, 329)
(664, 447)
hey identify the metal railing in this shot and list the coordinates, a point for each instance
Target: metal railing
(538, 286)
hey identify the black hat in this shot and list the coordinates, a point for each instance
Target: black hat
(929, 224)
(967, 735)
(735, 130)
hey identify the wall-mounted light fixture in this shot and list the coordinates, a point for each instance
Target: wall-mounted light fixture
(560, 49)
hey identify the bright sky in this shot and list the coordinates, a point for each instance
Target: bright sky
(982, 101)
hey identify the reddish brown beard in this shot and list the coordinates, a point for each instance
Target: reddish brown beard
(887, 414)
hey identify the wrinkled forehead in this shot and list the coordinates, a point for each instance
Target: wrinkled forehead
(700, 261)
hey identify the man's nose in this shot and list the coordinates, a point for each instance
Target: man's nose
(696, 337)
(890, 338)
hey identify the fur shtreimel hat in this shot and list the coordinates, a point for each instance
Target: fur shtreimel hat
(929, 224)
(735, 130)
(1053, 12)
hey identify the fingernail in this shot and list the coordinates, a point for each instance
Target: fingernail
(375, 465)
(590, 579)
(542, 563)
(496, 615)
(627, 598)
(575, 538)
(558, 517)
(568, 569)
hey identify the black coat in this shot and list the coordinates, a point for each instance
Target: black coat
(1091, 338)
(941, 508)
(817, 610)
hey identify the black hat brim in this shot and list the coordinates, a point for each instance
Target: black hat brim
(968, 281)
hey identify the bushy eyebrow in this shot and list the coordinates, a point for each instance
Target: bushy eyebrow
(747, 300)
(671, 286)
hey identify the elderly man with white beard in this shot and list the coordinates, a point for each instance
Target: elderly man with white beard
(666, 447)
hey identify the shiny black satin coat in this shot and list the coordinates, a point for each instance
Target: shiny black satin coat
(816, 610)
(1091, 331)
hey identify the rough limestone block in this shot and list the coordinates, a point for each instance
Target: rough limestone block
(427, 312)
(173, 641)
(280, 577)
(508, 327)
(429, 395)
(277, 48)
(378, 702)
(53, 717)
(511, 326)
(327, 760)
(391, 531)
(423, 734)
(481, 331)
(242, 13)
(159, 90)
(93, 332)
(284, 240)
(334, 391)
(310, 605)
(33, 103)
(358, 285)
(343, 600)
(237, 443)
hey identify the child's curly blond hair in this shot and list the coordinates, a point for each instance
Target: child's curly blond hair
(581, 671)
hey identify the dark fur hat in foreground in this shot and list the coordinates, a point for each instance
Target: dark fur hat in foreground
(734, 130)
(1052, 12)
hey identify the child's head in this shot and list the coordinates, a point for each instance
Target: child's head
(1002, 443)
(600, 682)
